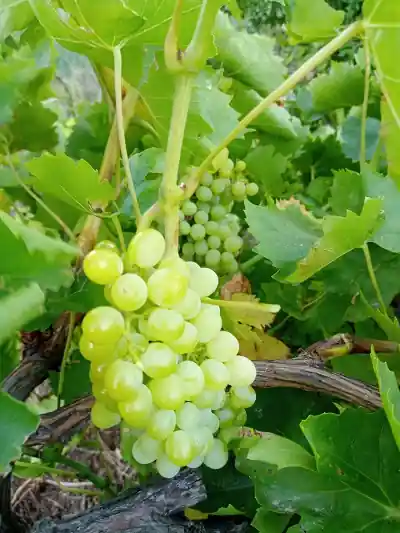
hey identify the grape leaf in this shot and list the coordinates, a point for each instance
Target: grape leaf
(10, 355)
(347, 192)
(341, 235)
(76, 379)
(267, 167)
(313, 21)
(19, 308)
(248, 57)
(283, 235)
(351, 137)
(77, 183)
(247, 309)
(390, 133)
(17, 422)
(390, 394)
(342, 87)
(267, 522)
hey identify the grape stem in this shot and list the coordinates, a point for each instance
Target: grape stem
(288, 85)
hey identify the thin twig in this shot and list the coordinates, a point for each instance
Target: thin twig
(364, 114)
(65, 358)
(374, 281)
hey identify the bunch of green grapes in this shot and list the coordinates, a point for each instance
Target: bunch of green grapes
(210, 232)
(160, 360)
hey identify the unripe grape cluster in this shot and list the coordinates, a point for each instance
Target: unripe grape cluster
(210, 232)
(160, 360)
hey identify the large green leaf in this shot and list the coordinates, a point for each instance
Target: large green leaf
(266, 166)
(313, 21)
(391, 135)
(73, 182)
(341, 235)
(267, 522)
(351, 137)
(390, 394)
(17, 422)
(347, 192)
(249, 58)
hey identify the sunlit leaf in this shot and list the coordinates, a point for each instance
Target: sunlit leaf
(313, 21)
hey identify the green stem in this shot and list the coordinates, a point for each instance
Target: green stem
(44, 469)
(118, 229)
(171, 194)
(374, 281)
(121, 130)
(364, 114)
(247, 265)
(65, 358)
(80, 492)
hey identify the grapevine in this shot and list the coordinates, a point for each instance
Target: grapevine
(160, 359)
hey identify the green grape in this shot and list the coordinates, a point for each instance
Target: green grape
(196, 463)
(146, 248)
(226, 170)
(188, 417)
(181, 215)
(122, 380)
(158, 360)
(97, 373)
(202, 440)
(226, 417)
(107, 294)
(162, 424)
(106, 245)
(102, 417)
(224, 231)
(148, 140)
(218, 186)
(145, 450)
(187, 342)
(204, 194)
(204, 206)
(177, 264)
(197, 232)
(165, 467)
(168, 393)
(189, 208)
(226, 198)
(241, 417)
(212, 258)
(188, 250)
(223, 347)
(103, 325)
(179, 448)
(240, 166)
(242, 397)
(204, 281)
(218, 455)
(242, 371)
(97, 353)
(209, 420)
(137, 412)
(227, 258)
(100, 393)
(129, 292)
(137, 343)
(232, 268)
(212, 227)
(201, 217)
(214, 242)
(251, 189)
(103, 266)
(221, 159)
(165, 325)
(193, 267)
(184, 227)
(239, 189)
(219, 400)
(201, 247)
(218, 212)
(207, 398)
(208, 323)
(189, 306)
(192, 378)
(167, 287)
(216, 374)
(233, 244)
(206, 179)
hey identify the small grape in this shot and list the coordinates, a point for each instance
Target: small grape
(201, 217)
(212, 258)
(188, 417)
(106, 245)
(227, 258)
(187, 342)
(103, 266)
(162, 424)
(208, 323)
(212, 227)
(209, 420)
(214, 242)
(103, 325)
(206, 179)
(192, 378)
(197, 462)
(146, 248)
(122, 380)
(129, 292)
(197, 232)
(97, 353)
(167, 287)
(176, 264)
(204, 206)
(201, 247)
(217, 457)
(165, 325)
(189, 306)
(189, 208)
(137, 343)
(240, 165)
(207, 398)
(226, 198)
(239, 189)
(168, 393)
(217, 212)
(227, 169)
(97, 373)
(159, 360)
(181, 215)
(204, 281)
(242, 397)
(219, 400)
(146, 449)
(184, 227)
(101, 395)
(137, 412)
(218, 186)
(216, 374)
(233, 244)
(165, 467)
(224, 231)
(221, 159)
(188, 250)
(241, 417)
(223, 347)
(202, 439)
(242, 371)
(226, 417)
(251, 189)
(179, 448)
(102, 417)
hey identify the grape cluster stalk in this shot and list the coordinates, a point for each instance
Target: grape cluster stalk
(209, 230)
(160, 359)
